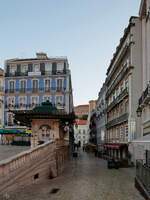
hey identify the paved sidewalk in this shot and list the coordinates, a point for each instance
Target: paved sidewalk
(7, 151)
(85, 178)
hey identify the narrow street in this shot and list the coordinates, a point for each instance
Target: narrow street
(85, 178)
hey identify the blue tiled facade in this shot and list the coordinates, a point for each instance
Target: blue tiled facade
(27, 86)
(29, 89)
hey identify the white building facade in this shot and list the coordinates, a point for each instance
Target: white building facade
(81, 132)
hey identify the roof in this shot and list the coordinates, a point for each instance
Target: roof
(47, 106)
(81, 122)
(126, 31)
(36, 59)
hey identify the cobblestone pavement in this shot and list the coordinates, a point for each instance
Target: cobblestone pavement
(85, 178)
(7, 151)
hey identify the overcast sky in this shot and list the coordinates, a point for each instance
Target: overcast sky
(86, 31)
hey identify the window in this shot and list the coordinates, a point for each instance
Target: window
(59, 84)
(47, 85)
(48, 67)
(117, 92)
(47, 98)
(11, 86)
(60, 66)
(121, 87)
(126, 83)
(24, 68)
(126, 106)
(13, 69)
(35, 85)
(121, 108)
(121, 132)
(126, 131)
(22, 101)
(10, 119)
(23, 85)
(34, 100)
(11, 101)
(59, 100)
(84, 132)
(113, 96)
(36, 68)
(83, 137)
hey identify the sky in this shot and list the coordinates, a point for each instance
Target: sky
(86, 31)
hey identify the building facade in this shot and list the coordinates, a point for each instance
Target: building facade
(81, 110)
(101, 119)
(81, 132)
(123, 88)
(31, 81)
(140, 146)
(2, 86)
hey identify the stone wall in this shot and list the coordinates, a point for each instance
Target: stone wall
(62, 154)
(28, 167)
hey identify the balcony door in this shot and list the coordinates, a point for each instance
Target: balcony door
(23, 86)
(59, 84)
(12, 86)
(47, 85)
(35, 85)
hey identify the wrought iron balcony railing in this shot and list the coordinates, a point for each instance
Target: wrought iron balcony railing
(118, 62)
(118, 99)
(27, 73)
(28, 106)
(118, 79)
(145, 97)
(34, 90)
(118, 120)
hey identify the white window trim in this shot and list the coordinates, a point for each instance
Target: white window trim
(22, 97)
(37, 98)
(9, 84)
(13, 97)
(20, 82)
(34, 66)
(49, 79)
(34, 80)
(59, 96)
(23, 65)
(62, 82)
(47, 96)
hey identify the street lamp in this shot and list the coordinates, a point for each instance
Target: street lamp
(139, 111)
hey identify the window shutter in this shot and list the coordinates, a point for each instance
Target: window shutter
(54, 67)
(42, 68)
(18, 68)
(64, 67)
(8, 69)
(30, 67)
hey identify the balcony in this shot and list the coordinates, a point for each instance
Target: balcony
(124, 94)
(35, 90)
(29, 106)
(118, 79)
(56, 72)
(118, 120)
(145, 98)
(125, 49)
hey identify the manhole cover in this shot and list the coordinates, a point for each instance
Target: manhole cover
(54, 190)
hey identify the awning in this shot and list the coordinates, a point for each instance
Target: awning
(14, 131)
(114, 146)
